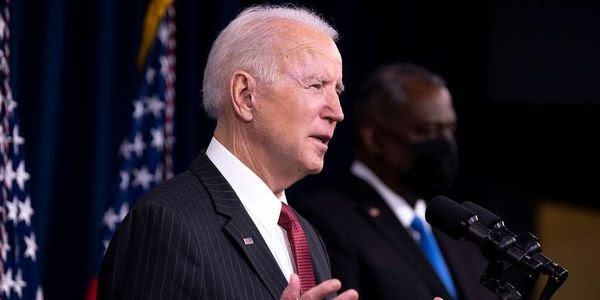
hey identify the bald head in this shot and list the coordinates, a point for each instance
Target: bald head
(391, 89)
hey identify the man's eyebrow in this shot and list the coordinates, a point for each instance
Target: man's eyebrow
(315, 77)
(323, 79)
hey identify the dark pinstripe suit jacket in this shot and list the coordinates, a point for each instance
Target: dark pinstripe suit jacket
(372, 252)
(184, 240)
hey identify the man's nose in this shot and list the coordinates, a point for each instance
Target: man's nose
(333, 110)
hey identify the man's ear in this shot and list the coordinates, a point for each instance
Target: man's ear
(369, 139)
(241, 91)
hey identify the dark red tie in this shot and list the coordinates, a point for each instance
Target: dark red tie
(299, 245)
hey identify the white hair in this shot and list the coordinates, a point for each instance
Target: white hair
(247, 44)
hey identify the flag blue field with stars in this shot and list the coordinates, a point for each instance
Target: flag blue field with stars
(146, 150)
(19, 277)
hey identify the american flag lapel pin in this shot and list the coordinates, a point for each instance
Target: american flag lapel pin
(374, 212)
(248, 241)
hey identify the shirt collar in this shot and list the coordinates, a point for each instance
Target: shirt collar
(403, 211)
(255, 195)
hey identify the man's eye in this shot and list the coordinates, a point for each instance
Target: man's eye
(425, 130)
(317, 86)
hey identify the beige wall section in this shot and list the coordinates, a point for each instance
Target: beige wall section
(570, 235)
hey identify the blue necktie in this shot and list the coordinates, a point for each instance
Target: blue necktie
(434, 255)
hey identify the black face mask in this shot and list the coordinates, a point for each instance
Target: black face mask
(434, 167)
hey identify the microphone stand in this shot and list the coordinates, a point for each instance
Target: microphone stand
(492, 280)
(530, 261)
(493, 244)
(557, 275)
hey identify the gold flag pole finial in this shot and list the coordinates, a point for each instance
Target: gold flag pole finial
(155, 12)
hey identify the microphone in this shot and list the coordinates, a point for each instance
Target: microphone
(450, 217)
(459, 222)
(486, 217)
(482, 227)
(525, 241)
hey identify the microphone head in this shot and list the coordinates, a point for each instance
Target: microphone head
(486, 217)
(449, 216)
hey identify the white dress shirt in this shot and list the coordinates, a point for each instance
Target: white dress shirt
(258, 200)
(403, 211)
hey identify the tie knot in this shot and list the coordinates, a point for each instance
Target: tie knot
(418, 225)
(286, 216)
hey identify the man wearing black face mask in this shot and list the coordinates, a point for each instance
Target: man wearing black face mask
(434, 167)
(373, 219)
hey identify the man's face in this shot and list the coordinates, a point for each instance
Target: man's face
(428, 117)
(298, 112)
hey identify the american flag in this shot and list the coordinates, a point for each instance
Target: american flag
(19, 277)
(146, 152)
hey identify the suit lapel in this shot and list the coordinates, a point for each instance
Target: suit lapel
(378, 213)
(240, 227)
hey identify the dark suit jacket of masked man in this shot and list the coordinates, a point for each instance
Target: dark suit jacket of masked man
(371, 252)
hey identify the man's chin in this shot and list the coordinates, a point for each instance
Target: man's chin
(315, 168)
(314, 172)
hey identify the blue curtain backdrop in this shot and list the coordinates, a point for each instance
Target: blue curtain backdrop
(526, 113)
(75, 78)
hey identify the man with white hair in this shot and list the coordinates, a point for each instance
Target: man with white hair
(223, 229)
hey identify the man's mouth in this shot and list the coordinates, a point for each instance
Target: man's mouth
(323, 138)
